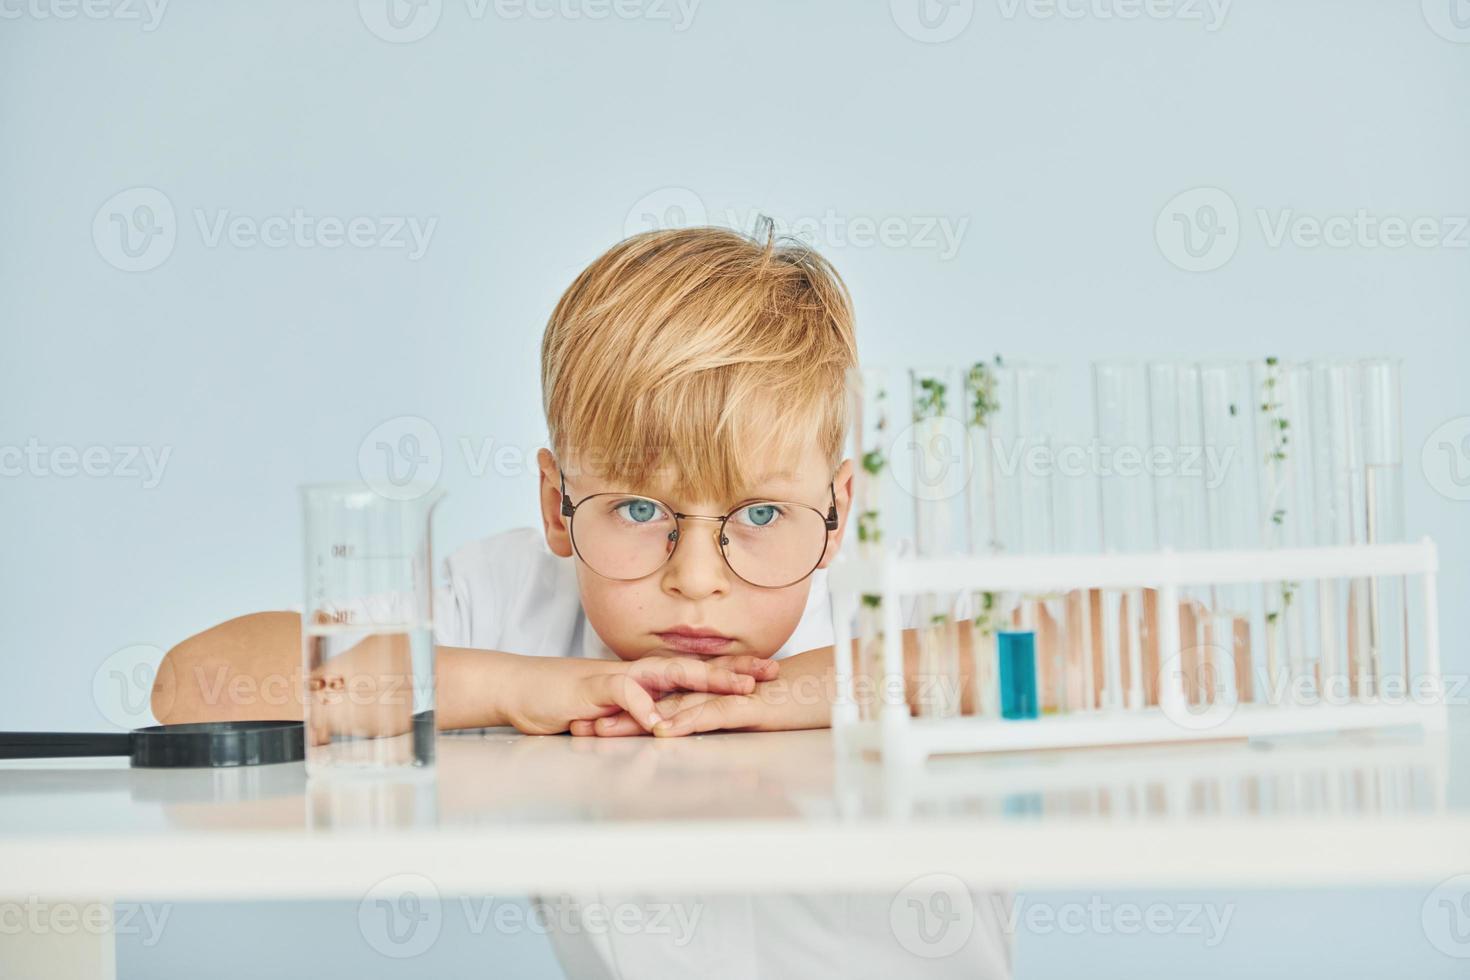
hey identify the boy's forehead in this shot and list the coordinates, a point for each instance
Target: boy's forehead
(772, 471)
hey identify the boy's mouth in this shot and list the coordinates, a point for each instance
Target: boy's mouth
(690, 639)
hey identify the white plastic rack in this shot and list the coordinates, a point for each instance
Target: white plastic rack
(896, 735)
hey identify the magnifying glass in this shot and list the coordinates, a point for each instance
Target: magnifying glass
(207, 744)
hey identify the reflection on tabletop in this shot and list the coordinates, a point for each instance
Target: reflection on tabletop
(500, 777)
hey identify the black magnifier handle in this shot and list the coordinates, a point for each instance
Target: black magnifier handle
(63, 745)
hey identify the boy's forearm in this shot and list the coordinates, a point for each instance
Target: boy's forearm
(472, 687)
(250, 668)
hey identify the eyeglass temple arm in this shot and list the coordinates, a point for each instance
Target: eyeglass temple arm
(566, 502)
(831, 519)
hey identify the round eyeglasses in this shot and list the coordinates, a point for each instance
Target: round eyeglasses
(768, 543)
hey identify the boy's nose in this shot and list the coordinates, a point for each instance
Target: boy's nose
(696, 569)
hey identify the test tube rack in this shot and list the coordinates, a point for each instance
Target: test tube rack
(896, 735)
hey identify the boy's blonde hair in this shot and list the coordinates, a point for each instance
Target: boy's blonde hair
(697, 352)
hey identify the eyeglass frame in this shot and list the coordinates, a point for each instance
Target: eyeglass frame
(830, 521)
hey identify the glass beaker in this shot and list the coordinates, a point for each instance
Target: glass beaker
(367, 629)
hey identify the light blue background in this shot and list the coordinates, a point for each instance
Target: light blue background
(536, 143)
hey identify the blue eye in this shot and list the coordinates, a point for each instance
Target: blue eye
(761, 515)
(639, 511)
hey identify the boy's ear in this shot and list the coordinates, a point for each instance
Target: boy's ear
(558, 531)
(842, 491)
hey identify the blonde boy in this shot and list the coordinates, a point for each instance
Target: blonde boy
(692, 496)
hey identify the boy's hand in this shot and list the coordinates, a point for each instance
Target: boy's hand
(775, 705)
(554, 695)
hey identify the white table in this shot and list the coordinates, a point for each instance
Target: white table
(510, 814)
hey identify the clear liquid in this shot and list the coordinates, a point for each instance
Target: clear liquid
(370, 697)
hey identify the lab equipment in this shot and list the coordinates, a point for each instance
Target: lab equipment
(367, 631)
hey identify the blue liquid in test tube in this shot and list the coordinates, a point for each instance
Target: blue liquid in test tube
(1017, 674)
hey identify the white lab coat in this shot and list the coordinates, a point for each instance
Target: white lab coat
(509, 592)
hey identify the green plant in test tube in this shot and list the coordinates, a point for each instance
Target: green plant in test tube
(940, 473)
(981, 403)
(1284, 444)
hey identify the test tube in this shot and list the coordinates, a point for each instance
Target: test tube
(1284, 446)
(1181, 471)
(1076, 530)
(872, 394)
(1341, 519)
(1023, 444)
(1383, 488)
(980, 405)
(938, 444)
(1125, 494)
(1226, 419)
